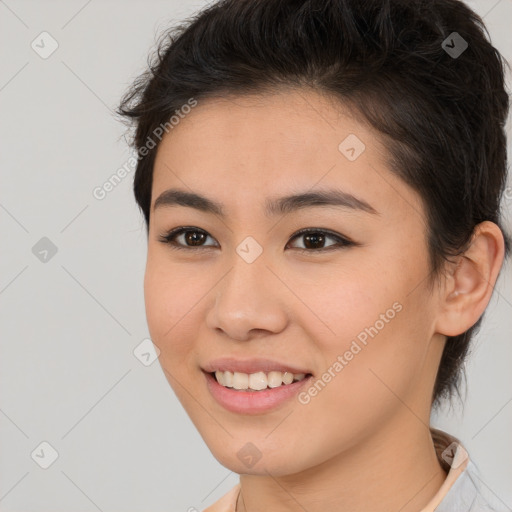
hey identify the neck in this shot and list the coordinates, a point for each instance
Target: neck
(395, 469)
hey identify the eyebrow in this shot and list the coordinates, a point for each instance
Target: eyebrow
(279, 206)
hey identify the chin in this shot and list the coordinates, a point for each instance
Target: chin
(257, 457)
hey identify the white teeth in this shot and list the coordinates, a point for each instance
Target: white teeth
(220, 377)
(287, 378)
(275, 379)
(240, 380)
(256, 381)
(228, 379)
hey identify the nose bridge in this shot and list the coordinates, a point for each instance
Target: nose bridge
(248, 263)
(244, 299)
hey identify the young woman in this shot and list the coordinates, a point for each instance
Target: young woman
(321, 182)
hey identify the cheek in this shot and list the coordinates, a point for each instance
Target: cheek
(378, 327)
(171, 295)
(355, 303)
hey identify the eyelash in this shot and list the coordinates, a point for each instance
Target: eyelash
(168, 238)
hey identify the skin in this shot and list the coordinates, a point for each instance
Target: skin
(363, 442)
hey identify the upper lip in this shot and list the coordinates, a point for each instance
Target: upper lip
(250, 366)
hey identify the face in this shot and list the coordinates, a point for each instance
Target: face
(347, 303)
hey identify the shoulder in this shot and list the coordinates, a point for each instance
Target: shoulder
(470, 493)
(466, 490)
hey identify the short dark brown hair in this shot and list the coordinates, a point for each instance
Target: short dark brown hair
(440, 106)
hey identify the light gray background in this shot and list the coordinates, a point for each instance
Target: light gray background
(70, 325)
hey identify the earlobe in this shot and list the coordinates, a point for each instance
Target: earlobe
(469, 287)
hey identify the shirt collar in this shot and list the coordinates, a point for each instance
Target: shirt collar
(454, 459)
(463, 490)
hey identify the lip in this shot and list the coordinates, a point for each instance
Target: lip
(249, 366)
(253, 402)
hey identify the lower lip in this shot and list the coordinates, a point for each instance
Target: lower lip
(253, 402)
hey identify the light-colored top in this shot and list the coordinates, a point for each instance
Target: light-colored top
(462, 491)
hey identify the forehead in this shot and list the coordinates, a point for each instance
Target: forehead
(255, 146)
(290, 123)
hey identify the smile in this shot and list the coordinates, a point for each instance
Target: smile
(256, 381)
(246, 400)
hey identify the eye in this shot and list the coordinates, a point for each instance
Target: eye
(316, 239)
(190, 237)
(189, 234)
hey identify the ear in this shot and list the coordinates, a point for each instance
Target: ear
(469, 284)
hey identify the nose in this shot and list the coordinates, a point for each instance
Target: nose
(249, 301)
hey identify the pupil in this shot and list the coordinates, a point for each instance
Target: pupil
(194, 239)
(316, 238)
